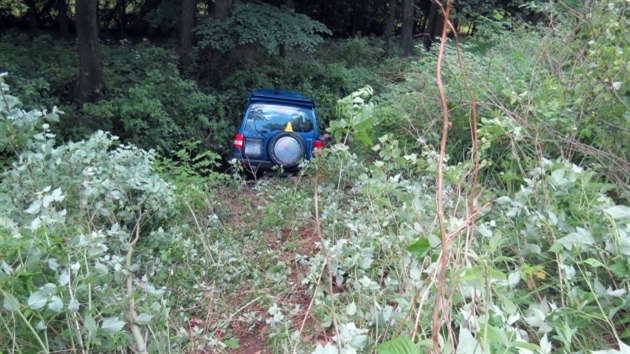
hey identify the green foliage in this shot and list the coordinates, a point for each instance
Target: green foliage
(41, 74)
(355, 51)
(17, 126)
(146, 101)
(355, 117)
(318, 76)
(164, 16)
(149, 104)
(69, 215)
(572, 97)
(262, 24)
(400, 345)
(545, 269)
(599, 85)
(569, 237)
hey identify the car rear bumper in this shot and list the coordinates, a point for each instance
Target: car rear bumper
(252, 165)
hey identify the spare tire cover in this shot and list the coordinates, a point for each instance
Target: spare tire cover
(286, 149)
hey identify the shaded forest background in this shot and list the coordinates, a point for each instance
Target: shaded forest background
(114, 62)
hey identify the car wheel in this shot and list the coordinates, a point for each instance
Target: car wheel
(286, 149)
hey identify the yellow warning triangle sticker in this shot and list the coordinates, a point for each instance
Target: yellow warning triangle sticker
(289, 128)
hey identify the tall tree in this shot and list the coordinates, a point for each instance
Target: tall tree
(388, 29)
(189, 10)
(406, 36)
(31, 15)
(90, 81)
(62, 18)
(122, 13)
(434, 24)
(222, 9)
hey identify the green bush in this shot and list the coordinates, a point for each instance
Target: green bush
(149, 104)
(145, 102)
(42, 69)
(71, 217)
(18, 127)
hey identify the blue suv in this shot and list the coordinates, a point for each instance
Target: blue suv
(279, 128)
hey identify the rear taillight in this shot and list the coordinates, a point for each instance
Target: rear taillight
(317, 145)
(239, 139)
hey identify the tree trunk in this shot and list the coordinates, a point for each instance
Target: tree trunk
(146, 7)
(62, 19)
(31, 15)
(434, 24)
(406, 36)
(388, 30)
(123, 17)
(222, 9)
(189, 9)
(212, 67)
(90, 81)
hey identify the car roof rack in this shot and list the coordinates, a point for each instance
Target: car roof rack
(280, 96)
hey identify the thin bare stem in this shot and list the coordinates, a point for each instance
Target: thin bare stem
(444, 254)
(201, 234)
(310, 305)
(132, 314)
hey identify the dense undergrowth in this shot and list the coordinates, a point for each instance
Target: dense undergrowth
(148, 102)
(109, 248)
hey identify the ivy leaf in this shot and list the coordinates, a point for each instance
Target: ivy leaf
(64, 278)
(74, 305)
(581, 237)
(420, 248)
(624, 348)
(594, 263)
(328, 349)
(144, 319)
(10, 303)
(112, 325)
(619, 212)
(545, 345)
(467, 344)
(620, 268)
(90, 325)
(37, 300)
(351, 309)
(232, 343)
(34, 208)
(55, 305)
(399, 345)
(100, 268)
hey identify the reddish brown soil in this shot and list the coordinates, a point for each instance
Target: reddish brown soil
(255, 341)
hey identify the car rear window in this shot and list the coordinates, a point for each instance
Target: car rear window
(264, 118)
